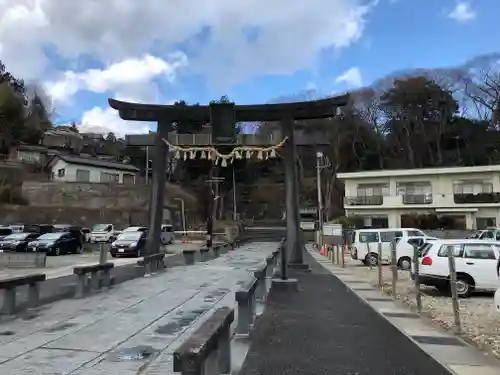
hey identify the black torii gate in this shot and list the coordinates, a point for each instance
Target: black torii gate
(223, 118)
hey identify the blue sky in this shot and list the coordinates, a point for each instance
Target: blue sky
(199, 58)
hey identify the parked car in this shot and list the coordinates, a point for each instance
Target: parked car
(135, 229)
(364, 242)
(17, 242)
(32, 228)
(5, 231)
(475, 263)
(103, 233)
(128, 243)
(486, 234)
(74, 230)
(405, 249)
(56, 244)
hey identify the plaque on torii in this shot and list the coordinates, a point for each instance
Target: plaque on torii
(223, 118)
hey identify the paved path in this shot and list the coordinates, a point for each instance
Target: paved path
(451, 351)
(326, 329)
(88, 337)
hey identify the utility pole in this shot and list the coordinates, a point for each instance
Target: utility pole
(319, 155)
(213, 197)
(147, 165)
(321, 163)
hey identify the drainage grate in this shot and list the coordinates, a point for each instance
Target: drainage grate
(378, 299)
(437, 340)
(401, 315)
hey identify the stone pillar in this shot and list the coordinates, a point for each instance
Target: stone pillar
(293, 235)
(159, 165)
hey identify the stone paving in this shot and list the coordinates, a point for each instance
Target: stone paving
(105, 333)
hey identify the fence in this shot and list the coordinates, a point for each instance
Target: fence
(455, 285)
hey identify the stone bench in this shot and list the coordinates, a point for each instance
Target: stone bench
(100, 276)
(260, 274)
(245, 298)
(189, 256)
(270, 266)
(204, 254)
(10, 286)
(216, 249)
(23, 259)
(207, 350)
(152, 263)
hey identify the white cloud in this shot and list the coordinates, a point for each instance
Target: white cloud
(290, 33)
(462, 12)
(351, 77)
(138, 42)
(128, 76)
(104, 120)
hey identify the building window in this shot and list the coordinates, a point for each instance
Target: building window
(365, 190)
(110, 177)
(414, 188)
(61, 172)
(485, 222)
(128, 179)
(472, 187)
(82, 175)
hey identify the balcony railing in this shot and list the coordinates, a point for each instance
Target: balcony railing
(476, 198)
(417, 198)
(374, 200)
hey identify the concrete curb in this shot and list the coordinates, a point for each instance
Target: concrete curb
(455, 363)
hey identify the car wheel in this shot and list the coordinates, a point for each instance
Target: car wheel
(404, 263)
(113, 255)
(371, 259)
(56, 251)
(465, 286)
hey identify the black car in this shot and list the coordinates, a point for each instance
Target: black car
(17, 242)
(5, 231)
(56, 243)
(128, 243)
(75, 231)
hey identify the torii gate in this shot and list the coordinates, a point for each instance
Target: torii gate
(223, 118)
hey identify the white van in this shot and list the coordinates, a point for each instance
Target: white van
(364, 246)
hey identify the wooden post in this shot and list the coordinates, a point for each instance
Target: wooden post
(453, 288)
(394, 267)
(418, 292)
(369, 255)
(379, 264)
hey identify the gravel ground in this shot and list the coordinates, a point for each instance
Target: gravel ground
(480, 323)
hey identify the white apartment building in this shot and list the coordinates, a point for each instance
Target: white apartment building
(471, 194)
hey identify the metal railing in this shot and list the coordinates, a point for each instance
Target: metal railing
(374, 200)
(417, 198)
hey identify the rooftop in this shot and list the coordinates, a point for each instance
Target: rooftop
(97, 163)
(418, 172)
